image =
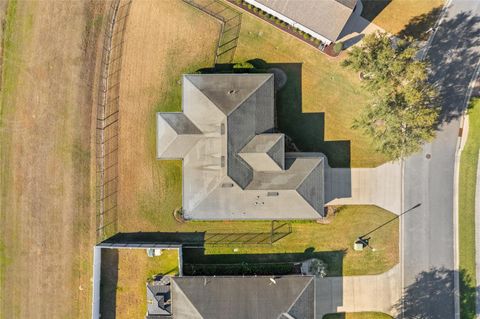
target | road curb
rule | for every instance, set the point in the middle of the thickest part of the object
(461, 140)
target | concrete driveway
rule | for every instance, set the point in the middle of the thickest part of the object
(380, 186)
(359, 293)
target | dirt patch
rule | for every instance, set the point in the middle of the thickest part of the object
(46, 211)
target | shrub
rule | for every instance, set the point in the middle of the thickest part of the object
(278, 22)
(337, 47)
(243, 65)
(243, 269)
(318, 268)
(306, 36)
(255, 10)
(250, 6)
(239, 1)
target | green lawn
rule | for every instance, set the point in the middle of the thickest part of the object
(466, 209)
(358, 315)
(316, 84)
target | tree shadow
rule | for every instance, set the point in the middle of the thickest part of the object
(453, 58)
(418, 26)
(108, 283)
(432, 295)
(306, 131)
(372, 8)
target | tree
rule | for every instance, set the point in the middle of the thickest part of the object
(318, 268)
(403, 113)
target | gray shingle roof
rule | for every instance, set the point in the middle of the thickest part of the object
(158, 296)
(242, 297)
(234, 165)
(325, 17)
(180, 123)
(228, 91)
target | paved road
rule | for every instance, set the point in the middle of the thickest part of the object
(428, 246)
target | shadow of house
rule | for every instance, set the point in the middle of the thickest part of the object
(306, 131)
(222, 264)
(108, 284)
(372, 8)
(455, 59)
(432, 295)
(138, 239)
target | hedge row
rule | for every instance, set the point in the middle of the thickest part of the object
(278, 22)
(243, 269)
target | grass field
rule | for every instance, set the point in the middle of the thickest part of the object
(150, 190)
(45, 208)
(134, 269)
(358, 315)
(466, 208)
(408, 17)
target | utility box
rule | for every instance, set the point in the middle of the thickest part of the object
(153, 252)
(358, 246)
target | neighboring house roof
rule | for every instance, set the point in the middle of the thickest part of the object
(325, 17)
(159, 299)
(234, 167)
(243, 297)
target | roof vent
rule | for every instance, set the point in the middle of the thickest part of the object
(227, 185)
(232, 92)
(272, 194)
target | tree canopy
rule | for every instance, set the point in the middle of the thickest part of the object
(403, 113)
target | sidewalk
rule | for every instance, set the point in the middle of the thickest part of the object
(359, 293)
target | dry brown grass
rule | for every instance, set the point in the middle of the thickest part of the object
(163, 40)
(134, 269)
(396, 14)
(45, 208)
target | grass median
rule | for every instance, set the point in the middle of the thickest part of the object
(466, 209)
(358, 315)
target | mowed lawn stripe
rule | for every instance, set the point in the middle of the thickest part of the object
(466, 209)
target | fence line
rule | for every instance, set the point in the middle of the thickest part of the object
(230, 20)
(253, 238)
(107, 120)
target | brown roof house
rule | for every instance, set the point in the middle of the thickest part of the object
(234, 166)
(322, 19)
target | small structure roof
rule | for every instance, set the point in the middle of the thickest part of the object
(158, 300)
(325, 17)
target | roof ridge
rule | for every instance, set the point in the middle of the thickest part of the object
(309, 172)
(185, 296)
(242, 101)
(300, 294)
(251, 93)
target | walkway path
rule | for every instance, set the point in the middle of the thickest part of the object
(359, 293)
